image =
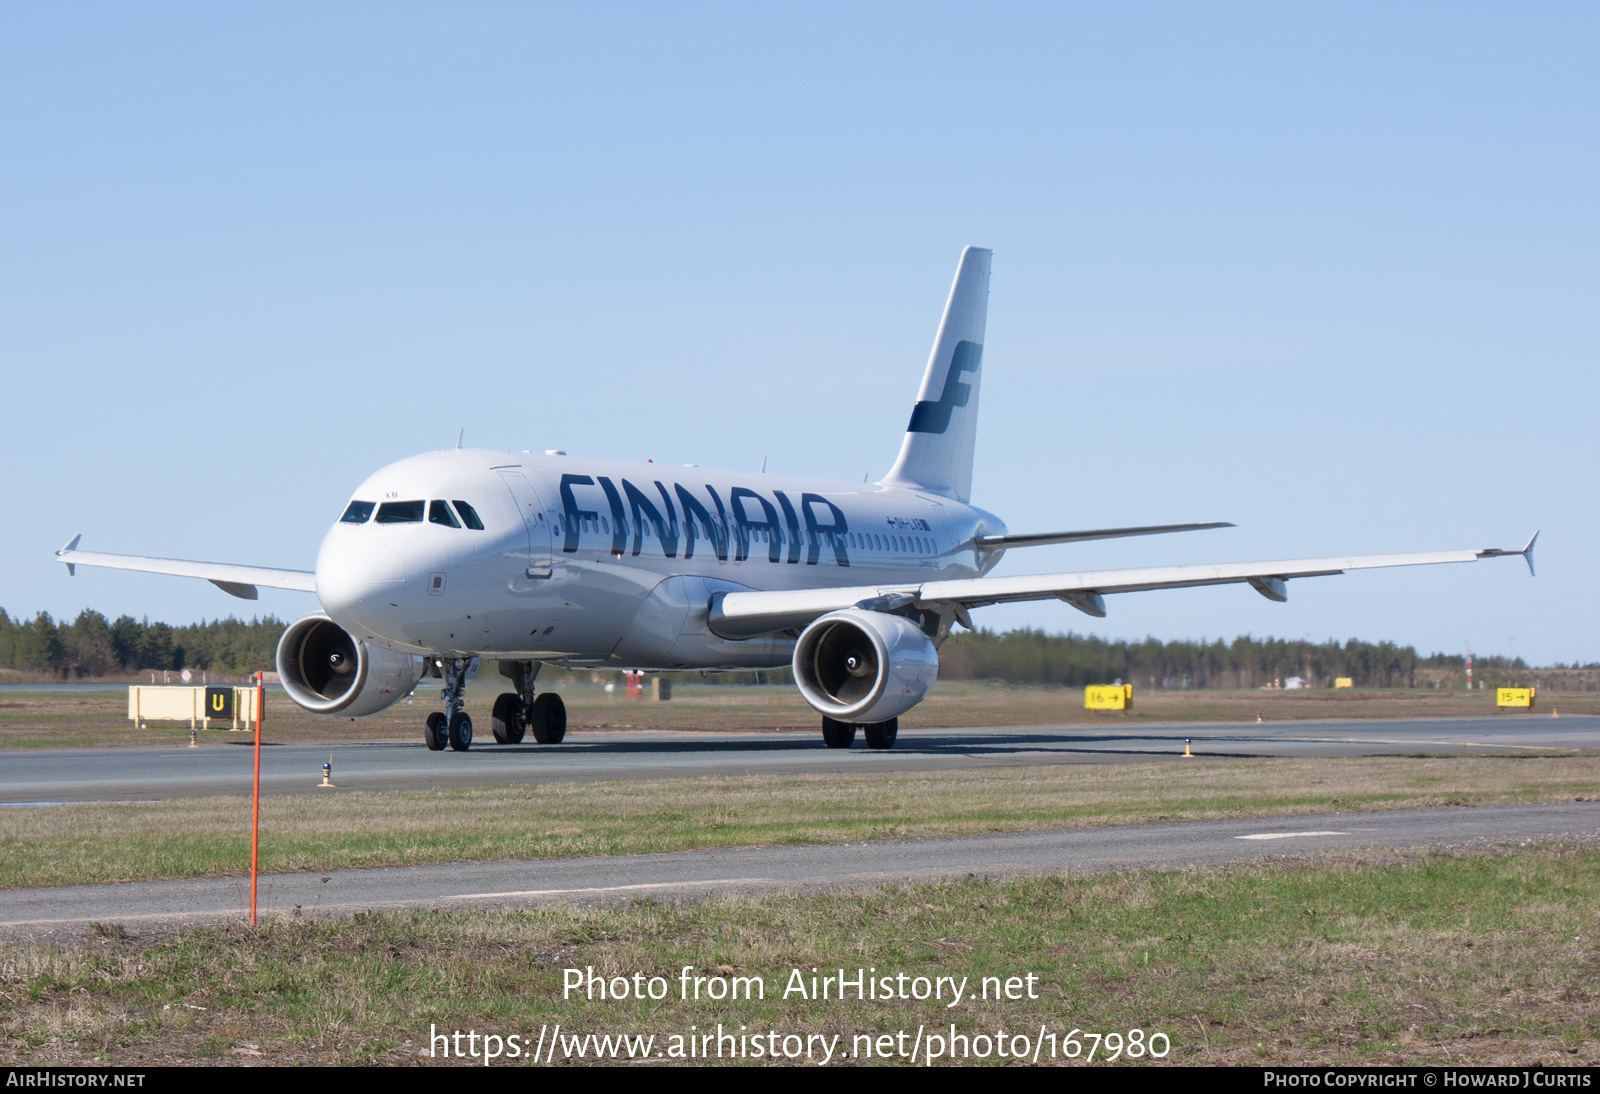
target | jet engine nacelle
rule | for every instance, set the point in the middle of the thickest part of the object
(327, 671)
(860, 666)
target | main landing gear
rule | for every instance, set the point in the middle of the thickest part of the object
(836, 734)
(515, 713)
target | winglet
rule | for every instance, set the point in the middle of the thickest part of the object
(72, 545)
(1526, 553)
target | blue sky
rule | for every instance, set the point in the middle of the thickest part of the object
(1325, 271)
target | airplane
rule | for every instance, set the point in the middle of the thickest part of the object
(444, 560)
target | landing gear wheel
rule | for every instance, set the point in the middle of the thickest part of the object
(459, 730)
(433, 731)
(548, 719)
(507, 720)
(881, 734)
(837, 734)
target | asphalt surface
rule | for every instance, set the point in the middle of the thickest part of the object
(742, 870)
(226, 768)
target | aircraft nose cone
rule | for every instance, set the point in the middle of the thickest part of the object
(356, 580)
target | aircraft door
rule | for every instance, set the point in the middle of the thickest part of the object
(540, 532)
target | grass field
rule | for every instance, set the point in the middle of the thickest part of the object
(1486, 959)
(1354, 959)
(82, 719)
(76, 844)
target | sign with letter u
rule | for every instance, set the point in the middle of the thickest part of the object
(219, 703)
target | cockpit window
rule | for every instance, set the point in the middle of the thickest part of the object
(439, 513)
(401, 512)
(469, 516)
(358, 513)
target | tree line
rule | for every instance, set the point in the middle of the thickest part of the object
(91, 645)
(1036, 657)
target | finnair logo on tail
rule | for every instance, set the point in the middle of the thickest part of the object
(934, 417)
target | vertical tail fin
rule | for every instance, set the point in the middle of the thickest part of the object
(936, 454)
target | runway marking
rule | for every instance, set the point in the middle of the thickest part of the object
(615, 888)
(1289, 835)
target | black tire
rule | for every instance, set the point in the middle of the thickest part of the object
(548, 718)
(459, 730)
(507, 721)
(837, 734)
(881, 734)
(433, 731)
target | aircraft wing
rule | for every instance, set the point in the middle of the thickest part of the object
(240, 581)
(746, 614)
(1040, 539)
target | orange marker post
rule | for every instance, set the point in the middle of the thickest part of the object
(255, 811)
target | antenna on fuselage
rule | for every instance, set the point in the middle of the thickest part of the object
(763, 465)
(460, 435)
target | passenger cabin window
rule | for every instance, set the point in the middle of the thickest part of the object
(439, 513)
(357, 513)
(469, 516)
(401, 512)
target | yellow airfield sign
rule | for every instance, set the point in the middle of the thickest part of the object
(1108, 697)
(1343, 682)
(1515, 697)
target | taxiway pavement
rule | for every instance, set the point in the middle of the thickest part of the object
(758, 869)
(129, 774)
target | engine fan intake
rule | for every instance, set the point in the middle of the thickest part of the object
(863, 666)
(327, 671)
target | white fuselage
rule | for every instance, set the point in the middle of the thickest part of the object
(596, 562)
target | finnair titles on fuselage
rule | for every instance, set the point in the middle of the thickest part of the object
(446, 559)
(614, 566)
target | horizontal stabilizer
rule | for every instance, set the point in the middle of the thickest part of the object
(1040, 539)
(240, 581)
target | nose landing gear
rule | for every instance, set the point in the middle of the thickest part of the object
(433, 731)
(459, 730)
(454, 726)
